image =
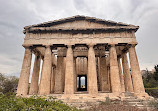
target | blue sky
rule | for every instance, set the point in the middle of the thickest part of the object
(15, 14)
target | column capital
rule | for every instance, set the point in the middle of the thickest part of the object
(69, 46)
(37, 53)
(112, 45)
(119, 57)
(91, 45)
(26, 46)
(132, 45)
(47, 46)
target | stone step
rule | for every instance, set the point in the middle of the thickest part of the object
(132, 100)
(138, 105)
(129, 94)
(126, 98)
(135, 103)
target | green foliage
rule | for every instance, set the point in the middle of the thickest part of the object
(151, 84)
(8, 84)
(152, 91)
(2, 79)
(151, 81)
(156, 73)
(11, 103)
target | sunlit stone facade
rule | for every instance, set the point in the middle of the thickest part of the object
(81, 54)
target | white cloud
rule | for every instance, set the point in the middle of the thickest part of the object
(14, 15)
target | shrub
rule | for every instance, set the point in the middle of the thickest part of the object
(12, 103)
(152, 91)
(8, 83)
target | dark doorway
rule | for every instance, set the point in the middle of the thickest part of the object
(82, 83)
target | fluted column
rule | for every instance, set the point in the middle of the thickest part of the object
(135, 71)
(69, 72)
(114, 71)
(35, 75)
(63, 78)
(109, 82)
(25, 73)
(46, 73)
(99, 74)
(92, 73)
(75, 75)
(53, 79)
(127, 75)
(54, 65)
(103, 74)
(59, 75)
(121, 76)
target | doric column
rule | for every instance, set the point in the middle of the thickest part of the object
(92, 73)
(135, 71)
(35, 75)
(126, 72)
(103, 74)
(53, 79)
(25, 73)
(69, 72)
(99, 74)
(59, 75)
(121, 76)
(75, 77)
(54, 65)
(114, 71)
(63, 81)
(109, 78)
(46, 73)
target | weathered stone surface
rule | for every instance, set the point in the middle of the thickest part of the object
(44, 88)
(25, 73)
(127, 75)
(81, 47)
(92, 73)
(35, 76)
(69, 72)
(53, 79)
(75, 75)
(135, 71)
(114, 71)
(103, 74)
(59, 74)
(121, 76)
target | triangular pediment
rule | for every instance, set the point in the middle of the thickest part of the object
(80, 22)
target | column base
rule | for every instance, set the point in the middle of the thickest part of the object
(58, 93)
(142, 95)
(21, 95)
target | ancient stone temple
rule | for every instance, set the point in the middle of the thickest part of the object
(81, 55)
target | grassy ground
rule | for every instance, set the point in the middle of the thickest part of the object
(108, 105)
(12, 103)
(9, 102)
(114, 107)
(152, 91)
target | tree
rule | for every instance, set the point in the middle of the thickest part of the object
(156, 73)
(8, 83)
(149, 75)
(149, 80)
(2, 79)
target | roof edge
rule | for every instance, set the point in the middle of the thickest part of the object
(77, 17)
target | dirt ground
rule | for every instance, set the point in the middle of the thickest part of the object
(117, 107)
